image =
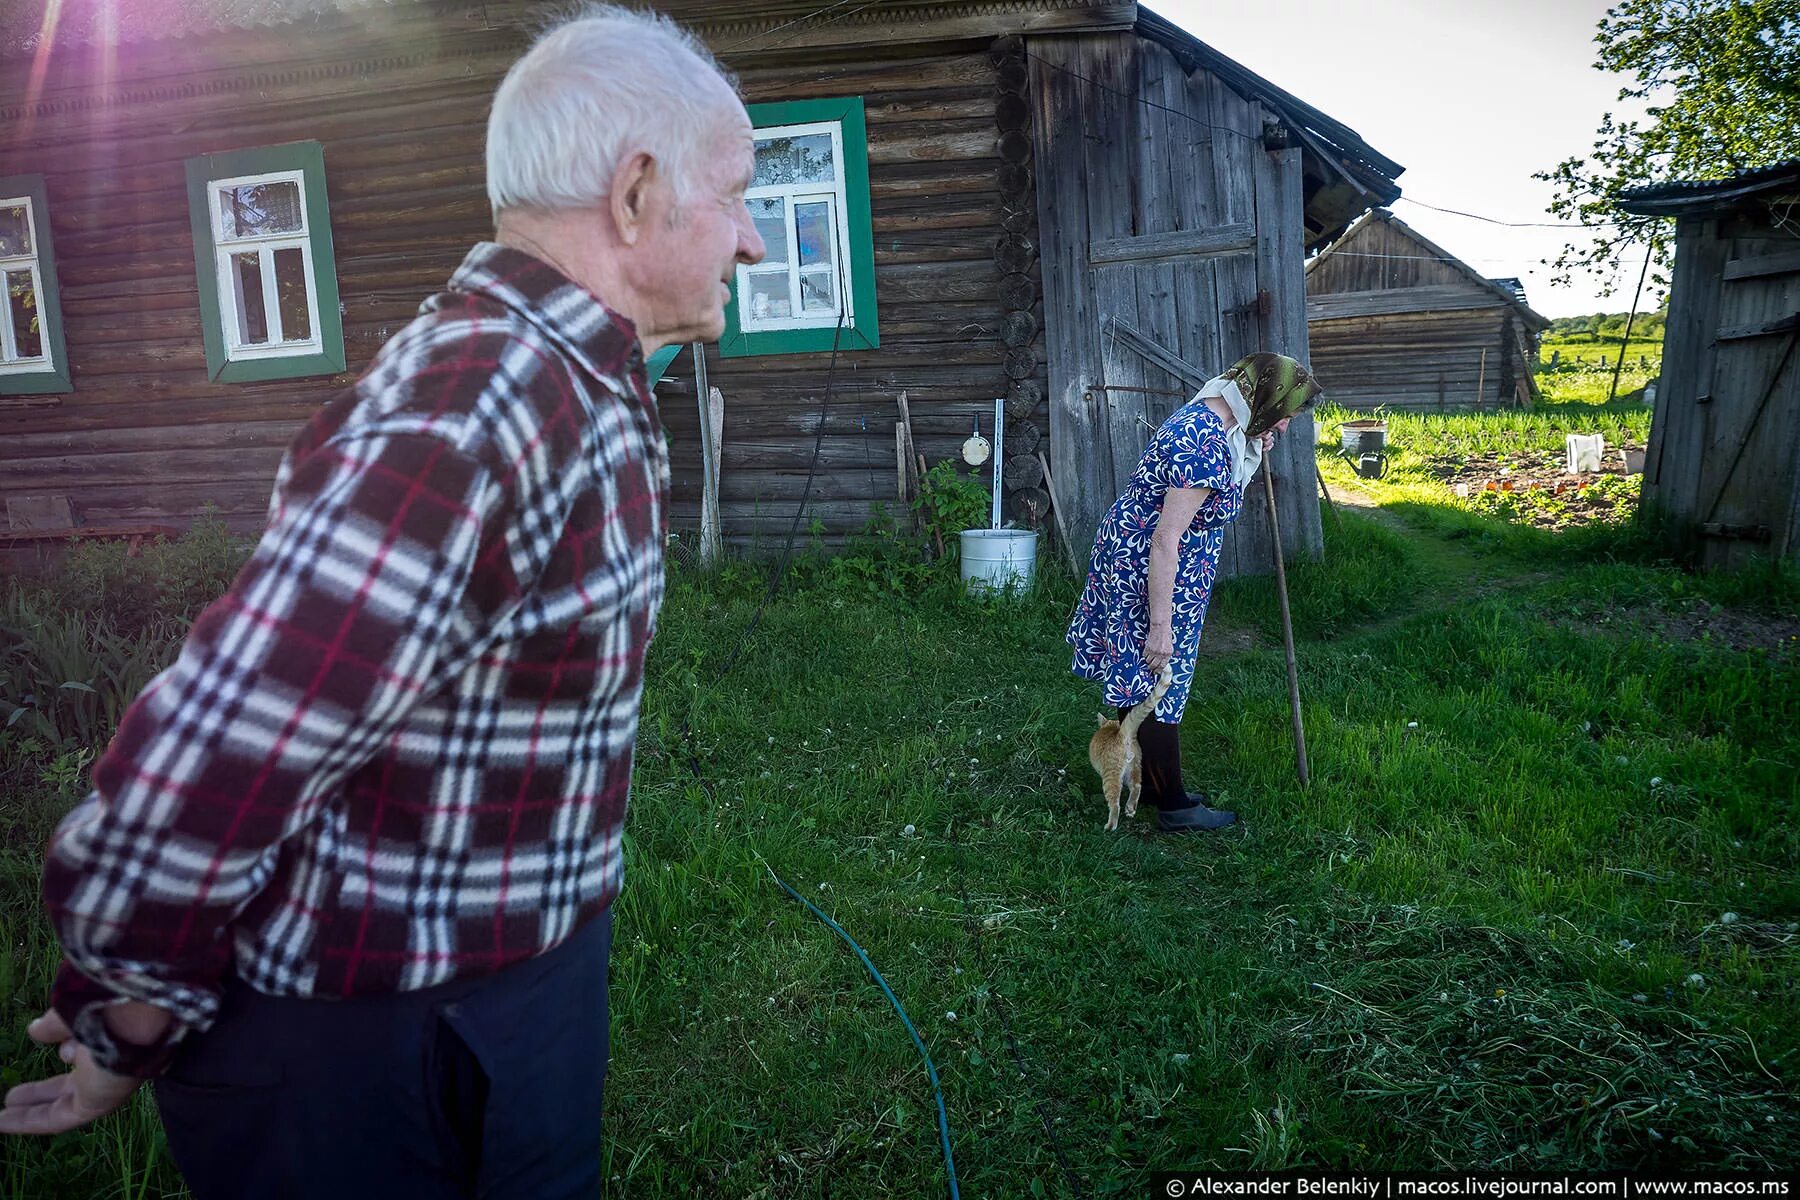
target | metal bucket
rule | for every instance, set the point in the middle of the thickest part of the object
(993, 559)
(1363, 437)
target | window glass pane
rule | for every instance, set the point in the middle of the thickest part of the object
(769, 296)
(785, 160)
(247, 298)
(15, 230)
(770, 216)
(27, 336)
(290, 295)
(259, 208)
(814, 223)
(818, 293)
(818, 258)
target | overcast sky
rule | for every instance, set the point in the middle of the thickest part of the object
(1470, 96)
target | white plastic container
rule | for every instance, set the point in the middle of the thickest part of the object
(993, 559)
(1585, 452)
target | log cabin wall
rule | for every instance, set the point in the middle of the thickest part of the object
(1418, 360)
(1395, 321)
(398, 104)
(398, 97)
(935, 183)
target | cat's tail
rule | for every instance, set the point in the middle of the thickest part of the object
(1140, 712)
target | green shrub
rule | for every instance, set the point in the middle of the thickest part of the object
(950, 502)
(164, 580)
(67, 676)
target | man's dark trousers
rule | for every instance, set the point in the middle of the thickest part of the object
(486, 1088)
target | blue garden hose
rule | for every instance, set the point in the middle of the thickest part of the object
(930, 1070)
(693, 758)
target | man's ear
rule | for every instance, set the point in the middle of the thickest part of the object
(633, 182)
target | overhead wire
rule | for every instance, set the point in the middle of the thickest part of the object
(1187, 116)
(799, 20)
(811, 16)
(1457, 212)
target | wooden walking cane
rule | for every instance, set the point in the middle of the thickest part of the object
(1287, 629)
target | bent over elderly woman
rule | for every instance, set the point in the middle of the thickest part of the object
(1156, 557)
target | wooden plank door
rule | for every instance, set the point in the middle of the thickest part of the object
(1159, 204)
(1752, 427)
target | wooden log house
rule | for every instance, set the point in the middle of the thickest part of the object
(1397, 321)
(1723, 464)
(219, 211)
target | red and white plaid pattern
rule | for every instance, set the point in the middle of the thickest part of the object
(397, 751)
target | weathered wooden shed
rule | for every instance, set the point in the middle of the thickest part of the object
(1178, 194)
(1723, 464)
(1395, 320)
(230, 206)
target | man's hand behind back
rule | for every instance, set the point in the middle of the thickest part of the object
(86, 1093)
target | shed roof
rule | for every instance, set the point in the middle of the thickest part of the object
(1509, 290)
(1678, 197)
(1343, 147)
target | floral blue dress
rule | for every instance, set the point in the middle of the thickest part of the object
(1113, 615)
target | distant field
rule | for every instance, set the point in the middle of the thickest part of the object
(1603, 351)
(1583, 373)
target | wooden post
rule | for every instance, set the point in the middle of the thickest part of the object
(1481, 380)
(709, 462)
(912, 462)
(1330, 504)
(710, 523)
(900, 471)
(1625, 343)
(1062, 524)
(1287, 634)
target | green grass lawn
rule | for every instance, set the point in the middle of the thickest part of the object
(1537, 909)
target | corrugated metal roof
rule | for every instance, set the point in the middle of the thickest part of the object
(1679, 196)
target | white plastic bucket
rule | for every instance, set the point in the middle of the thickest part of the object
(1585, 451)
(996, 558)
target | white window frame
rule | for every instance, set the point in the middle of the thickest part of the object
(796, 194)
(10, 361)
(236, 349)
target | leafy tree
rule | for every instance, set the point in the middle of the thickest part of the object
(1723, 77)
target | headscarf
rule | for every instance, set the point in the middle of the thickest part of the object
(1259, 389)
(1275, 387)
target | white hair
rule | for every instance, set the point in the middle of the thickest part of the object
(593, 89)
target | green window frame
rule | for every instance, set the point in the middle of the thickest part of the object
(28, 283)
(852, 236)
(265, 264)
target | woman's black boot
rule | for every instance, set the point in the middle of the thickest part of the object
(1177, 809)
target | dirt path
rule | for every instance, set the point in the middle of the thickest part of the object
(1462, 575)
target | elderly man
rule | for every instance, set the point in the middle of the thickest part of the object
(343, 886)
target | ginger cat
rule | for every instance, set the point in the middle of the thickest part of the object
(1115, 754)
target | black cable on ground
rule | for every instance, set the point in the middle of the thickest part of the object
(687, 737)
